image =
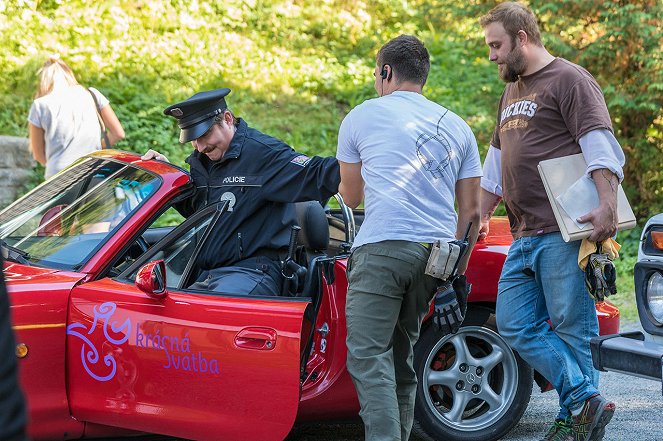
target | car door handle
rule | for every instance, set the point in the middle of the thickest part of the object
(256, 338)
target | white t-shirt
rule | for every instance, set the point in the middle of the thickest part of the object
(70, 123)
(412, 152)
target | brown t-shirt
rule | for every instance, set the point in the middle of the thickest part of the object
(542, 116)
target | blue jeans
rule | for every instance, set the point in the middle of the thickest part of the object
(541, 281)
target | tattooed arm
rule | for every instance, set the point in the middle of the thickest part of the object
(605, 159)
(603, 217)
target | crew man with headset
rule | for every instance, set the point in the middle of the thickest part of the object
(260, 177)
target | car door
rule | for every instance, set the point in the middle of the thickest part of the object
(183, 363)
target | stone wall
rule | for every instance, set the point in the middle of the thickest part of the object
(16, 165)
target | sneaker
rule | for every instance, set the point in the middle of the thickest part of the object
(560, 431)
(589, 424)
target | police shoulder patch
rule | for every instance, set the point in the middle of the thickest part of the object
(301, 160)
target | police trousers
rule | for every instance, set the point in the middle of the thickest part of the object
(255, 276)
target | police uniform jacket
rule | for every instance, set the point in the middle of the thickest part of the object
(261, 177)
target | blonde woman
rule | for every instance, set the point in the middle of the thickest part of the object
(64, 119)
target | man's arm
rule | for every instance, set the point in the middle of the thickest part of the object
(491, 188)
(467, 197)
(186, 207)
(605, 159)
(352, 184)
(601, 149)
(604, 217)
(489, 203)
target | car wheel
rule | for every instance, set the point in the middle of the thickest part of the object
(471, 385)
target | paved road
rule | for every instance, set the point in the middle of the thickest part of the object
(639, 415)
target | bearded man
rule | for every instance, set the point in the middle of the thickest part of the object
(550, 108)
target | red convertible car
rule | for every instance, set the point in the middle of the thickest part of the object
(112, 342)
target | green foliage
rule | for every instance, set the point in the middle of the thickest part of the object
(621, 43)
(296, 67)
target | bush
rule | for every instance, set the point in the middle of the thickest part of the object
(297, 67)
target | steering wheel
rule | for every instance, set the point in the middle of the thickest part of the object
(140, 243)
(135, 250)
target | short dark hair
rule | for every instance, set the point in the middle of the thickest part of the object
(407, 57)
(219, 118)
(514, 17)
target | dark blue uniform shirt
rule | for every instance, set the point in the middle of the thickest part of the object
(261, 177)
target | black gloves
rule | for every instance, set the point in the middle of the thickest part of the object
(600, 276)
(451, 304)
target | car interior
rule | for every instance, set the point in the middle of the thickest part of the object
(323, 235)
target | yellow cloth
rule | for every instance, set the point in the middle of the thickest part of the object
(587, 247)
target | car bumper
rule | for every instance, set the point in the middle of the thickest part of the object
(628, 353)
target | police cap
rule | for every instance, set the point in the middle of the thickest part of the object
(195, 115)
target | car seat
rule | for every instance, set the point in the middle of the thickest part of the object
(313, 241)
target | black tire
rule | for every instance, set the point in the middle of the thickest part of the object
(502, 383)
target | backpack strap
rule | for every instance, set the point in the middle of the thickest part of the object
(102, 126)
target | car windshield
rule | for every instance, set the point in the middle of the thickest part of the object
(65, 220)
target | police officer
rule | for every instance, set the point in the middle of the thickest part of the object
(260, 177)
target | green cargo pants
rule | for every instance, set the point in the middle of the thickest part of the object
(388, 297)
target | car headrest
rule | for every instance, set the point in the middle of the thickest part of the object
(312, 218)
(51, 222)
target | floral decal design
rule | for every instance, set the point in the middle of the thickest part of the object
(89, 353)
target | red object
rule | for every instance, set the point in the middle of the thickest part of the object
(112, 357)
(51, 222)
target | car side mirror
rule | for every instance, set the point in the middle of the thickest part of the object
(151, 279)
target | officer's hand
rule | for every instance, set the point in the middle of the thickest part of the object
(152, 154)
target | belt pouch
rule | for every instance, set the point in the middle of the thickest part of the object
(443, 260)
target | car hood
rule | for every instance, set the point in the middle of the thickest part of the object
(499, 233)
(26, 278)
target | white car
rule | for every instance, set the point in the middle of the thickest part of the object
(634, 353)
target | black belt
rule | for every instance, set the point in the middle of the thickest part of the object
(271, 253)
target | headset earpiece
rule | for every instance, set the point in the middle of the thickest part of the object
(383, 74)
